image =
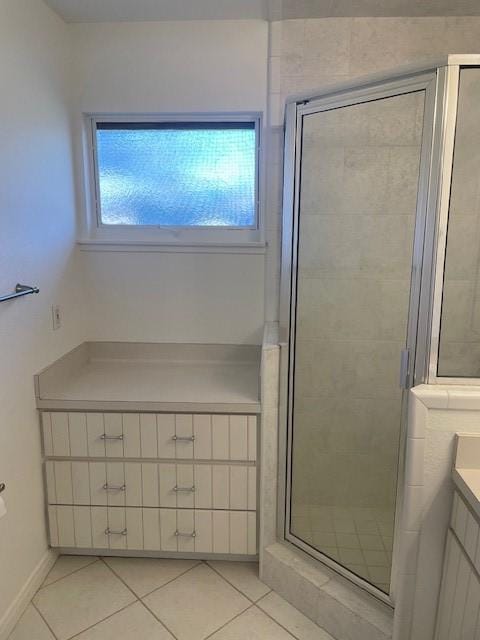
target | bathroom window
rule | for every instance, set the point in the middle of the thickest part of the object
(185, 177)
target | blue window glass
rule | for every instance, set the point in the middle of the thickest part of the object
(177, 174)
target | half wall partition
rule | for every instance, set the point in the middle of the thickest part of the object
(366, 200)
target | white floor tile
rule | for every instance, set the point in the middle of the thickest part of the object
(133, 622)
(65, 565)
(243, 576)
(369, 527)
(344, 525)
(286, 615)
(371, 542)
(322, 523)
(376, 558)
(31, 626)
(379, 575)
(347, 541)
(325, 539)
(331, 552)
(82, 599)
(350, 556)
(356, 537)
(359, 569)
(144, 575)
(196, 604)
(252, 625)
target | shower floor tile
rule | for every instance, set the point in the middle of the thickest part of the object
(190, 601)
(360, 538)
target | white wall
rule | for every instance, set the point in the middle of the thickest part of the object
(172, 67)
(37, 239)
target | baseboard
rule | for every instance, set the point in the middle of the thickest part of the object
(18, 606)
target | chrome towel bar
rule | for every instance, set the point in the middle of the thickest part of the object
(20, 290)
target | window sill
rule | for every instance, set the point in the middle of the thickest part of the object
(149, 246)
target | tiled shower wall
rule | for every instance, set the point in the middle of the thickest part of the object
(308, 54)
(459, 353)
(358, 195)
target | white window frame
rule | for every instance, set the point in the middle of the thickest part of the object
(95, 235)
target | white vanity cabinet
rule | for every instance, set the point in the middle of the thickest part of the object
(458, 611)
(151, 483)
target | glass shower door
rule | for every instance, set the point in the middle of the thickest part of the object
(358, 177)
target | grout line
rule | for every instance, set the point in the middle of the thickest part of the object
(105, 564)
(207, 562)
(172, 580)
(92, 626)
(100, 559)
(68, 574)
(281, 625)
(158, 619)
(139, 599)
(158, 589)
(229, 621)
(42, 617)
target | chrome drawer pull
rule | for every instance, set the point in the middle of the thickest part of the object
(111, 532)
(114, 487)
(179, 534)
(192, 488)
(183, 438)
(104, 436)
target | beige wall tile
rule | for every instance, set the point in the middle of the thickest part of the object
(327, 46)
(383, 43)
(356, 245)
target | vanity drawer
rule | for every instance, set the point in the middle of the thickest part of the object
(144, 529)
(152, 484)
(149, 435)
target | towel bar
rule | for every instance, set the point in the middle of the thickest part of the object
(20, 290)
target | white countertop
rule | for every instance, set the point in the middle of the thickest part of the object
(154, 377)
(468, 483)
(466, 471)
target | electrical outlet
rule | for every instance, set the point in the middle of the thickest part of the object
(56, 317)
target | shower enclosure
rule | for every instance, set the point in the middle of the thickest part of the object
(368, 179)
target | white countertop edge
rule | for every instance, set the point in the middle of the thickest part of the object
(466, 470)
(148, 407)
(462, 479)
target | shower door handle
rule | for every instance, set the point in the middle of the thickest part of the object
(404, 373)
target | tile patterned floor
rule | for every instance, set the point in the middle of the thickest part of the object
(90, 598)
(360, 538)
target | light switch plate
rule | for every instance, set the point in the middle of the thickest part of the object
(56, 317)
